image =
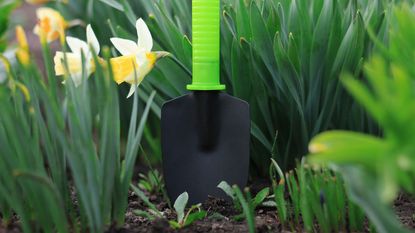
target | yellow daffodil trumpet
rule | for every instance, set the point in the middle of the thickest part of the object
(71, 63)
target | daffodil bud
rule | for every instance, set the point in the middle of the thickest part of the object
(22, 53)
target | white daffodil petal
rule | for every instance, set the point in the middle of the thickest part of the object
(77, 46)
(77, 79)
(92, 39)
(145, 40)
(132, 90)
(125, 47)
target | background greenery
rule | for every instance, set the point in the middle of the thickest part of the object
(375, 169)
(283, 57)
(61, 165)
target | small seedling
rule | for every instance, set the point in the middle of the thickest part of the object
(230, 191)
(185, 219)
(152, 212)
(244, 203)
(152, 182)
(247, 206)
(279, 191)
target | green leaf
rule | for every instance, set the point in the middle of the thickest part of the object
(260, 197)
(180, 205)
(146, 201)
(343, 147)
(195, 217)
(114, 4)
(144, 214)
(247, 209)
(227, 189)
(175, 225)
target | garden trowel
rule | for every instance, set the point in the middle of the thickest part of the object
(206, 133)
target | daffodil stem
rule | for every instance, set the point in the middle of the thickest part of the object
(173, 58)
(49, 68)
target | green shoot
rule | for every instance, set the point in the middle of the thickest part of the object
(247, 207)
(230, 191)
(152, 182)
(186, 218)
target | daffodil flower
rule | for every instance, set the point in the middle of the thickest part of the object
(137, 59)
(73, 60)
(50, 26)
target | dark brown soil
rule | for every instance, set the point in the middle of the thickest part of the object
(220, 218)
(405, 210)
(221, 213)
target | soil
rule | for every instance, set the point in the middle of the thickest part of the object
(221, 213)
(220, 217)
(405, 210)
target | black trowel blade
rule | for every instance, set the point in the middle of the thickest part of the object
(205, 140)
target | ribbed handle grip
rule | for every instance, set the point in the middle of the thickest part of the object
(206, 35)
(206, 45)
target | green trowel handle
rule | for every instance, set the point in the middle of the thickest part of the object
(206, 45)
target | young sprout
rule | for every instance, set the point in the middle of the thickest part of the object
(186, 218)
(152, 212)
(152, 182)
(230, 191)
(247, 207)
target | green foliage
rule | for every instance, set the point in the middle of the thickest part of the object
(376, 169)
(315, 199)
(152, 182)
(6, 8)
(246, 204)
(58, 144)
(152, 212)
(283, 57)
(255, 202)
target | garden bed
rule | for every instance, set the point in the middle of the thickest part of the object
(220, 218)
(308, 67)
(266, 218)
